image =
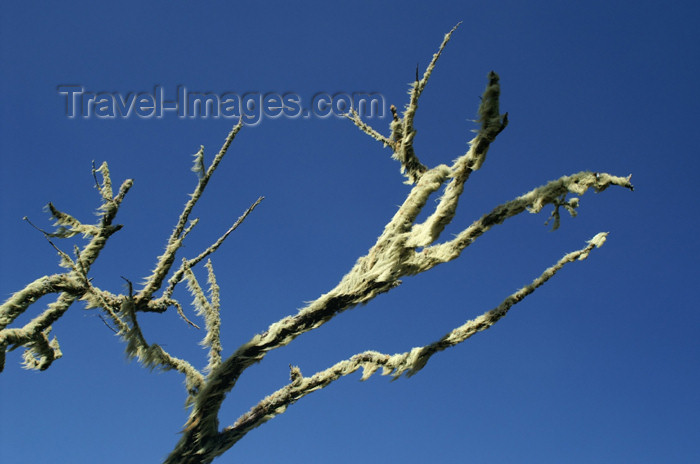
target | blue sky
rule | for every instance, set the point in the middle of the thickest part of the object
(600, 365)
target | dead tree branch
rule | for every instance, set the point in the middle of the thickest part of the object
(405, 247)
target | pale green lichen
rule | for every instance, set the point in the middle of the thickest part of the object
(106, 187)
(404, 248)
(209, 310)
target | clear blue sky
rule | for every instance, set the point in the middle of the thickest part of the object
(599, 366)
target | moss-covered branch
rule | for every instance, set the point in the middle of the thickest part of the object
(165, 261)
(70, 286)
(405, 247)
(407, 363)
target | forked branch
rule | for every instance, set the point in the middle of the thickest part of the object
(405, 247)
(407, 363)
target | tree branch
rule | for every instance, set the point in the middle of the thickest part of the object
(533, 201)
(492, 124)
(177, 276)
(40, 353)
(353, 116)
(403, 248)
(210, 311)
(402, 130)
(394, 254)
(165, 261)
(408, 363)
